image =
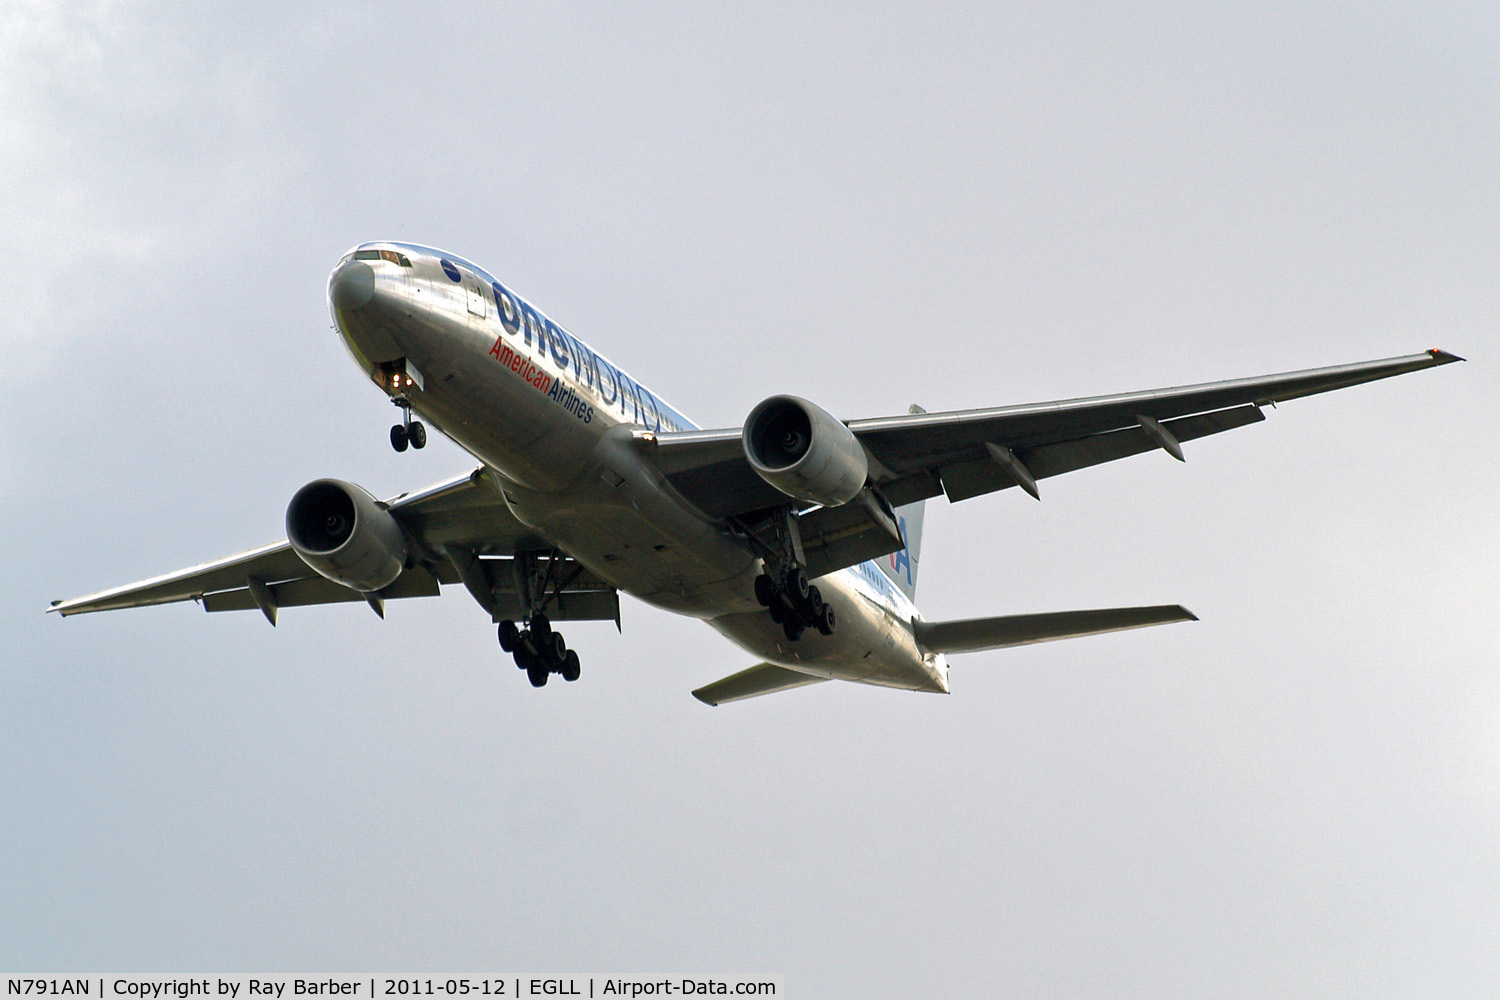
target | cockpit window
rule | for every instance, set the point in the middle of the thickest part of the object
(390, 255)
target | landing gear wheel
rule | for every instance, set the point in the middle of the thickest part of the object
(796, 584)
(537, 676)
(793, 631)
(778, 612)
(524, 658)
(510, 636)
(825, 620)
(765, 591)
(417, 434)
(398, 437)
(540, 628)
(554, 650)
(570, 667)
(812, 607)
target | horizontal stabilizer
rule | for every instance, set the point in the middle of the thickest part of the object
(973, 634)
(763, 678)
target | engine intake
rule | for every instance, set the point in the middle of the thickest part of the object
(345, 536)
(804, 451)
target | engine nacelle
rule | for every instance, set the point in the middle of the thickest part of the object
(344, 535)
(803, 451)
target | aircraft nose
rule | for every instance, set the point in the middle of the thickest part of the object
(352, 285)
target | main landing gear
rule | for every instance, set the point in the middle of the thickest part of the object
(539, 651)
(408, 431)
(794, 604)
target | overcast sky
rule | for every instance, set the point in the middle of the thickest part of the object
(868, 205)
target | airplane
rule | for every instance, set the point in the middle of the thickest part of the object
(796, 535)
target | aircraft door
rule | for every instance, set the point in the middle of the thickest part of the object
(474, 292)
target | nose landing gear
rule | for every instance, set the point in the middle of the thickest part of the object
(539, 651)
(408, 431)
(397, 378)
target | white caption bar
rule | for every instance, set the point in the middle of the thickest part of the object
(387, 987)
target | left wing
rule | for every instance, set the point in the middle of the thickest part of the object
(967, 453)
(462, 532)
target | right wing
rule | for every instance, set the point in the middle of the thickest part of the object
(462, 532)
(967, 453)
(974, 452)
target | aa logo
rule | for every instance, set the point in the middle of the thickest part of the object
(901, 561)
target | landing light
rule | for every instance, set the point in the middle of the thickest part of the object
(396, 377)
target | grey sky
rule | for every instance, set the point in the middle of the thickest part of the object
(958, 206)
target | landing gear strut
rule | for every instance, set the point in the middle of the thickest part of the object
(408, 431)
(794, 604)
(539, 651)
(783, 588)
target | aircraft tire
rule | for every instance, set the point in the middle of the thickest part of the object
(417, 433)
(510, 636)
(765, 591)
(524, 658)
(571, 668)
(796, 585)
(541, 627)
(398, 437)
(826, 620)
(778, 612)
(811, 608)
(537, 676)
(793, 631)
(554, 649)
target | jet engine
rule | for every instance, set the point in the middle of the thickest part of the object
(345, 535)
(804, 451)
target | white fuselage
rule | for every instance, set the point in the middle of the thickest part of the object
(560, 431)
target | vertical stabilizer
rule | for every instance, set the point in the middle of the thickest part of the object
(901, 566)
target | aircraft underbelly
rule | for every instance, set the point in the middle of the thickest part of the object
(603, 507)
(869, 646)
(713, 579)
(638, 539)
(619, 520)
